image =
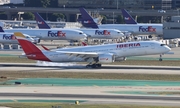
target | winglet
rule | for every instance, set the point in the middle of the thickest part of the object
(87, 20)
(1, 29)
(84, 44)
(19, 35)
(40, 22)
(127, 17)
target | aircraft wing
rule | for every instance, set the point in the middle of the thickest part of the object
(81, 54)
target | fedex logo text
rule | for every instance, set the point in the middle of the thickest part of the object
(11, 37)
(56, 34)
(128, 45)
(104, 32)
(40, 22)
(148, 29)
(87, 22)
(126, 18)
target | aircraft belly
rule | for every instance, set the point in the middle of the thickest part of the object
(52, 38)
(101, 37)
(9, 41)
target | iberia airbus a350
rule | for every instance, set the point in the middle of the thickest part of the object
(94, 55)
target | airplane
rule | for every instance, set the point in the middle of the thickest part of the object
(130, 20)
(9, 38)
(127, 17)
(94, 55)
(92, 33)
(134, 29)
(52, 34)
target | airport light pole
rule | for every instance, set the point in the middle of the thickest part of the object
(113, 17)
(117, 4)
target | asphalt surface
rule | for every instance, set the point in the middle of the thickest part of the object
(69, 67)
(84, 93)
(172, 98)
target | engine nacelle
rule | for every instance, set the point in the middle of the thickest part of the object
(37, 40)
(106, 58)
(120, 59)
(127, 34)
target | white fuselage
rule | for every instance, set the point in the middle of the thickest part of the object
(136, 29)
(103, 33)
(9, 38)
(118, 49)
(52, 34)
(100, 33)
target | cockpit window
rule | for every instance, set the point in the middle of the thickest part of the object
(163, 44)
(118, 32)
(80, 33)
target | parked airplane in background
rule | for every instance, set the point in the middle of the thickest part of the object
(9, 38)
(97, 54)
(52, 34)
(92, 33)
(128, 19)
(134, 29)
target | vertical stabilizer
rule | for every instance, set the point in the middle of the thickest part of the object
(40, 22)
(1, 29)
(31, 51)
(87, 20)
(127, 17)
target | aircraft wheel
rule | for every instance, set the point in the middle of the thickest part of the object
(94, 66)
(88, 66)
(98, 65)
(160, 59)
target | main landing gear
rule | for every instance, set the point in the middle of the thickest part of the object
(93, 65)
(160, 58)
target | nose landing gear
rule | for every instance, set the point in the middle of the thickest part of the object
(160, 58)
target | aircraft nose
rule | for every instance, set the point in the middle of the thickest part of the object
(167, 48)
(122, 34)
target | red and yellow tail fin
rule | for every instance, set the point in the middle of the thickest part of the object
(31, 51)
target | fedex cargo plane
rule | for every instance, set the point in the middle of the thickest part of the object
(9, 38)
(95, 55)
(52, 34)
(92, 33)
(127, 17)
(135, 29)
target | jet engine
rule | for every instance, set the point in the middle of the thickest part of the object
(106, 58)
(120, 59)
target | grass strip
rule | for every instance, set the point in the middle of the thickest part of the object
(8, 75)
(50, 105)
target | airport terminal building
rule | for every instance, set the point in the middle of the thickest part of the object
(127, 4)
